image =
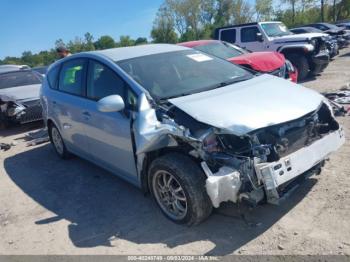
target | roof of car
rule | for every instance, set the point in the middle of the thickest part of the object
(197, 43)
(123, 53)
(10, 68)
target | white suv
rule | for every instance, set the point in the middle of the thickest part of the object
(306, 51)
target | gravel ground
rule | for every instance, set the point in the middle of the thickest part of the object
(51, 206)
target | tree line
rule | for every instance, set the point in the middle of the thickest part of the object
(186, 20)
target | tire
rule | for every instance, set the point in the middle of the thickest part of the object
(56, 139)
(301, 63)
(186, 189)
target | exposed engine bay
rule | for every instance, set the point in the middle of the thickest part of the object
(252, 167)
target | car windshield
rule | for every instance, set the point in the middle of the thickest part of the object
(180, 73)
(19, 78)
(275, 29)
(220, 49)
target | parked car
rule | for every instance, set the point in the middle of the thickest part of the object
(331, 41)
(194, 130)
(19, 96)
(345, 25)
(307, 52)
(41, 70)
(273, 63)
(8, 68)
(332, 30)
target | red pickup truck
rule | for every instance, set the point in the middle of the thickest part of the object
(265, 62)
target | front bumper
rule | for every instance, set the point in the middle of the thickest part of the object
(287, 168)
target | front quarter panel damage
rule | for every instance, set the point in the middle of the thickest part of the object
(235, 165)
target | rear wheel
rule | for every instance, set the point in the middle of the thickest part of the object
(57, 142)
(301, 63)
(178, 187)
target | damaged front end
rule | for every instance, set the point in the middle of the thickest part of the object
(251, 167)
(14, 111)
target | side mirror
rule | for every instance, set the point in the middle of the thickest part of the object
(112, 103)
(259, 37)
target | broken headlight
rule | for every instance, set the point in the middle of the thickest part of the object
(211, 143)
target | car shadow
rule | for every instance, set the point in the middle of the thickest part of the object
(16, 129)
(101, 207)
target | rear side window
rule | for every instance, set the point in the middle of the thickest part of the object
(103, 82)
(228, 35)
(71, 77)
(248, 34)
(52, 77)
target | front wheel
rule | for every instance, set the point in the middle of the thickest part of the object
(178, 186)
(301, 63)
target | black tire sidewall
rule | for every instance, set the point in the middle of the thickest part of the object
(301, 63)
(183, 185)
(65, 153)
(180, 166)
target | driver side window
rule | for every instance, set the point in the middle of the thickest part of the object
(249, 34)
(103, 82)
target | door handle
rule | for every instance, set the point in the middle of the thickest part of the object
(86, 115)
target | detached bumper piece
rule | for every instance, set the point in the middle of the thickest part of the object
(276, 174)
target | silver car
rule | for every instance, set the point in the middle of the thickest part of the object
(19, 95)
(192, 129)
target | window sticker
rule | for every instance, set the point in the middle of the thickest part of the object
(200, 57)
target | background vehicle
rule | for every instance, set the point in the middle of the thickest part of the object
(331, 41)
(307, 52)
(265, 62)
(345, 25)
(8, 68)
(19, 95)
(41, 70)
(333, 30)
(186, 126)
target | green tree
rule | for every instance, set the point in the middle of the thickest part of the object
(89, 43)
(105, 42)
(125, 40)
(141, 41)
(163, 27)
(263, 9)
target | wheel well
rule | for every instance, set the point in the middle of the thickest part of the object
(49, 123)
(292, 51)
(150, 156)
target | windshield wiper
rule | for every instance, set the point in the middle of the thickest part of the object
(221, 84)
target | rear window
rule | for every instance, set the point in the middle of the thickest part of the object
(228, 35)
(52, 77)
(23, 78)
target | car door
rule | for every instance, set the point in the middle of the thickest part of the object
(67, 103)
(108, 134)
(249, 39)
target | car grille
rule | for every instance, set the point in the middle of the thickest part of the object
(33, 112)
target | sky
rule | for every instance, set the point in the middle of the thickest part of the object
(35, 25)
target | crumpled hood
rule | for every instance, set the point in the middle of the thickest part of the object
(260, 61)
(22, 93)
(298, 37)
(246, 106)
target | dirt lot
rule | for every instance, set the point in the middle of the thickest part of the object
(51, 206)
